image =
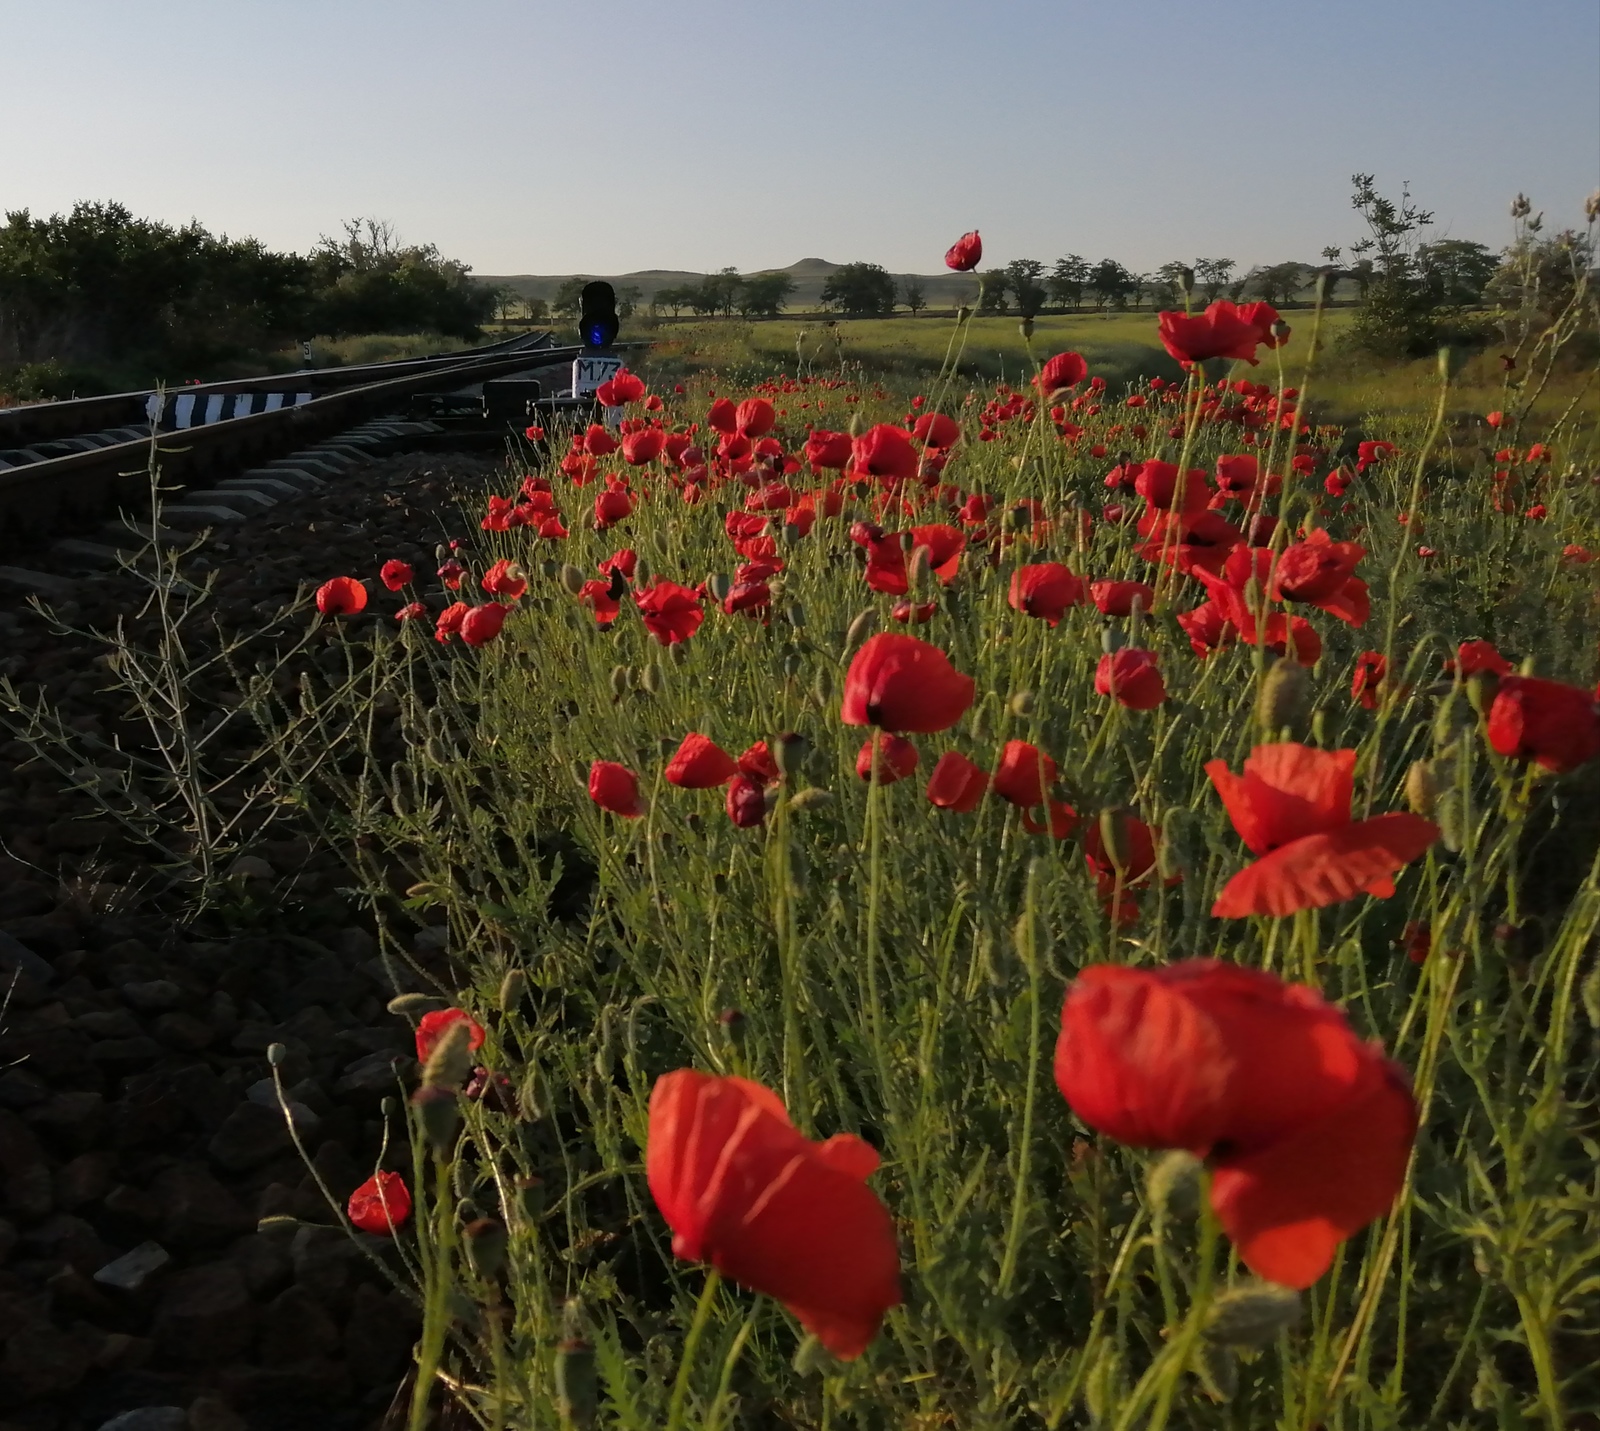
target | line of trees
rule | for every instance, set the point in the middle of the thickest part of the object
(99, 285)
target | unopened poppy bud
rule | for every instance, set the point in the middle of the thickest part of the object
(1111, 638)
(793, 663)
(858, 423)
(580, 775)
(1022, 704)
(982, 719)
(1422, 788)
(414, 1006)
(733, 1022)
(450, 1063)
(811, 798)
(572, 578)
(918, 569)
(1186, 279)
(439, 1115)
(1175, 849)
(789, 752)
(1251, 1315)
(641, 572)
(862, 627)
(1284, 700)
(530, 1198)
(1280, 330)
(277, 1055)
(1019, 518)
(1172, 1186)
(1115, 836)
(653, 678)
(963, 313)
(1482, 687)
(1026, 329)
(621, 679)
(513, 990)
(1218, 1369)
(795, 614)
(486, 1247)
(718, 585)
(577, 1388)
(822, 686)
(791, 533)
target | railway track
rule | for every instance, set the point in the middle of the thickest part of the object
(75, 474)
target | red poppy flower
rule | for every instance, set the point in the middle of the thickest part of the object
(343, 596)
(534, 433)
(887, 559)
(1116, 598)
(1136, 855)
(757, 763)
(505, 579)
(1045, 590)
(903, 684)
(411, 611)
(897, 758)
(965, 254)
(1219, 332)
(1308, 1128)
(1550, 722)
(743, 1190)
(746, 802)
(754, 417)
(1065, 370)
(1368, 453)
(884, 452)
(1263, 317)
(597, 596)
(598, 442)
(1207, 627)
(672, 613)
(829, 450)
(1132, 677)
(1158, 484)
(1024, 775)
(624, 561)
(620, 390)
(700, 764)
(1366, 685)
(1475, 656)
(482, 624)
(395, 574)
(1239, 477)
(913, 613)
(1060, 820)
(550, 529)
(956, 783)
(643, 446)
(449, 622)
(935, 429)
(611, 507)
(1292, 807)
(432, 1026)
(723, 416)
(380, 1205)
(751, 597)
(1320, 572)
(615, 788)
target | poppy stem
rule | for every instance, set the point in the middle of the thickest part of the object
(1027, 948)
(702, 1315)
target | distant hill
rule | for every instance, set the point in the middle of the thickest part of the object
(941, 289)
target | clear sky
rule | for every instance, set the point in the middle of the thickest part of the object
(609, 135)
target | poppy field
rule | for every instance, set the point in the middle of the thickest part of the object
(1061, 904)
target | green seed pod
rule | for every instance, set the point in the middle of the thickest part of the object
(621, 679)
(1252, 1315)
(1116, 833)
(277, 1055)
(653, 678)
(439, 1115)
(864, 625)
(811, 798)
(450, 1063)
(1172, 1186)
(1284, 700)
(414, 1006)
(572, 578)
(718, 585)
(486, 1241)
(1026, 328)
(513, 990)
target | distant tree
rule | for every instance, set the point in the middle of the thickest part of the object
(1166, 284)
(996, 286)
(725, 283)
(1111, 283)
(676, 297)
(1400, 310)
(912, 295)
(568, 301)
(506, 299)
(1236, 289)
(1068, 280)
(1278, 282)
(762, 295)
(1213, 275)
(1023, 277)
(859, 289)
(629, 297)
(535, 310)
(1458, 270)
(1363, 272)
(705, 297)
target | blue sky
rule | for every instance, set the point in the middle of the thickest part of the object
(613, 135)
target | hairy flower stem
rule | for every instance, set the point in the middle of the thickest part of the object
(1019, 1203)
(691, 1343)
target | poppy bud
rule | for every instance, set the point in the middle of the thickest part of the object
(580, 774)
(1186, 279)
(1175, 851)
(1482, 687)
(530, 1198)
(414, 1006)
(1451, 362)
(1111, 638)
(277, 1055)
(1217, 1367)
(718, 585)
(822, 687)
(1114, 837)
(793, 663)
(858, 423)
(1280, 331)
(733, 1022)
(1284, 700)
(811, 798)
(862, 627)
(572, 578)
(1019, 518)
(438, 1114)
(1022, 704)
(1251, 1315)
(791, 533)
(795, 614)
(513, 990)
(1173, 1185)
(1025, 328)
(486, 1247)
(577, 1389)
(652, 678)
(450, 1063)
(789, 752)
(918, 569)
(1591, 209)
(1422, 788)
(983, 720)
(963, 313)
(621, 679)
